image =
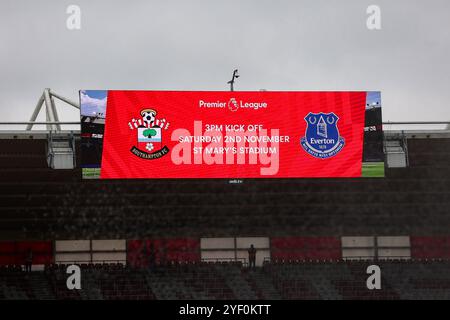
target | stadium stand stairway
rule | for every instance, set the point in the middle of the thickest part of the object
(235, 281)
(396, 156)
(40, 286)
(205, 279)
(60, 153)
(261, 284)
(92, 290)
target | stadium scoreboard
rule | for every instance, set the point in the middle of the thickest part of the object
(216, 134)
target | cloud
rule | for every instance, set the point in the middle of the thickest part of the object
(90, 105)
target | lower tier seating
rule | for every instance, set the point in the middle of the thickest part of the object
(275, 280)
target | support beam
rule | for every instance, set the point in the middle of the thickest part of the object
(55, 113)
(51, 112)
(68, 101)
(36, 111)
(48, 109)
(47, 117)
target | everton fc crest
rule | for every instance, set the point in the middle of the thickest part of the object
(322, 139)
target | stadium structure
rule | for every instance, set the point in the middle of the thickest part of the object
(188, 239)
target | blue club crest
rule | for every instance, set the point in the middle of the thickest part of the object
(322, 139)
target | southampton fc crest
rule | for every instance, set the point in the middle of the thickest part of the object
(322, 139)
(149, 135)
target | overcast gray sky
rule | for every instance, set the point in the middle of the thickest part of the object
(195, 45)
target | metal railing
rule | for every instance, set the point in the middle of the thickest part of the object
(39, 122)
(416, 123)
(354, 259)
(217, 260)
(90, 262)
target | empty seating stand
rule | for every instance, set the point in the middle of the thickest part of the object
(38, 202)
(295, 280)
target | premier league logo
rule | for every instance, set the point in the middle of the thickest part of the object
(322, 139)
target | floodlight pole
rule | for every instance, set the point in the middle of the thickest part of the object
(231, 82)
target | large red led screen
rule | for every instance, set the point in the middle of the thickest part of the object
(203, 134)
